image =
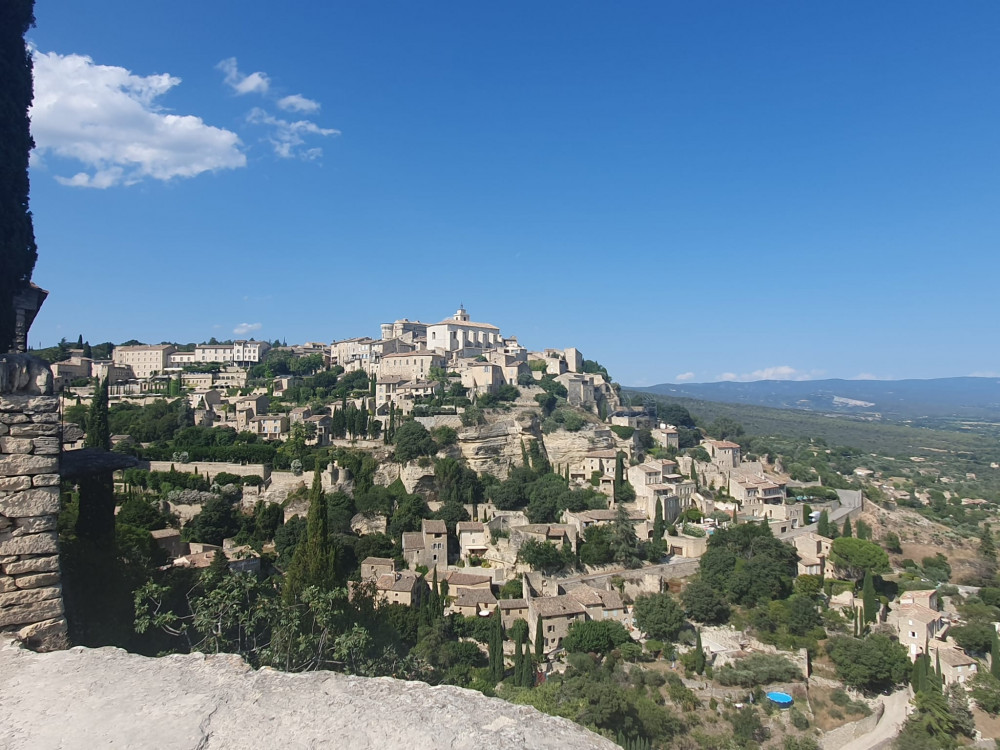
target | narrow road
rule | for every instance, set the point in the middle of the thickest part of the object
(888, 726)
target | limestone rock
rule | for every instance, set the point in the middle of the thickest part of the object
(369, 523)
(34, 581)
(23, 375)
(16, 465)
(11, 484)
(44, 564)
(15, 445)
(48, 635)
(28, 613)
(29, 596)
(45, 480)
(418, 479)
(35, 544)
(495, 448)
(210, 702)
(569, 448)
(36, 524)
(41, 501)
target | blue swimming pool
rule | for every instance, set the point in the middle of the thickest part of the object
(779, 698)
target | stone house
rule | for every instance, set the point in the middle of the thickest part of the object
(410, 365)
(480, 377)
(473, 602)
(667, 436)
(917, 621)
(724, 453)
(460, 334)
(473, 539)
(270, 427)
(399, 587)
(145, 361)
(511, 610)
(814, 550)
(354, 354)
(427, 547)
(599, 604)
(557, 614)
(956, 665)
(373, 567)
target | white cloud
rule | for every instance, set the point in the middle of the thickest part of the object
(984, 374)
(107, 118)
(255, 83)
(244, 328)
(780, 372)
(865, 376)
(298, 103)
(288, 137)
(684, 376)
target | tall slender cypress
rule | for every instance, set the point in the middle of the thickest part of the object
(314, 562)
(18, 251)
(539, 639)
(96, 518)
(870, 599)
(995, 657)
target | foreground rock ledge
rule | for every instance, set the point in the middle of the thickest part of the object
(90, 698)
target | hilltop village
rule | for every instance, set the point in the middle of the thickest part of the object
(447, 471)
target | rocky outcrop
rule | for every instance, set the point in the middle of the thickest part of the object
(569, 448)
(496, 447)
(86, 698)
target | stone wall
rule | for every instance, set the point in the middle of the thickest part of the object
(837, 738)
(31, 603)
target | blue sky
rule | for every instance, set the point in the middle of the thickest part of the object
(684, 191)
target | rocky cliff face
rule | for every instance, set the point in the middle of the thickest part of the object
(86, 698)
(568, 448)
(496, 447)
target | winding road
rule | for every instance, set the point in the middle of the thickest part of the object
(888, 726)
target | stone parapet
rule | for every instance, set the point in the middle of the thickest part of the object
(31, 604)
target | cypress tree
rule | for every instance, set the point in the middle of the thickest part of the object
(938, 674)
(96, 519)
(518, 662)
(524, 455)
(98, 431)
(847, 528)
(658, 526)
(823, 525)
(699, 663)
(995, 657)
(870, 598)
(539, 639)
(496, 647)
(987, 549)
(18, 251)
(314, 562)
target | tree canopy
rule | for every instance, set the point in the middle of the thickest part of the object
(855, 557)
(659, 616)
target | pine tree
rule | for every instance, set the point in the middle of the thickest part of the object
(870, 598)
(847, 528)
(539, 640)
(314, 562)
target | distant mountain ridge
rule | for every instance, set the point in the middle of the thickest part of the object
(951, 398)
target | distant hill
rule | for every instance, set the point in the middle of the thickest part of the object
(940, 399)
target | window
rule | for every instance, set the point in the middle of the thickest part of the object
(551, 629)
